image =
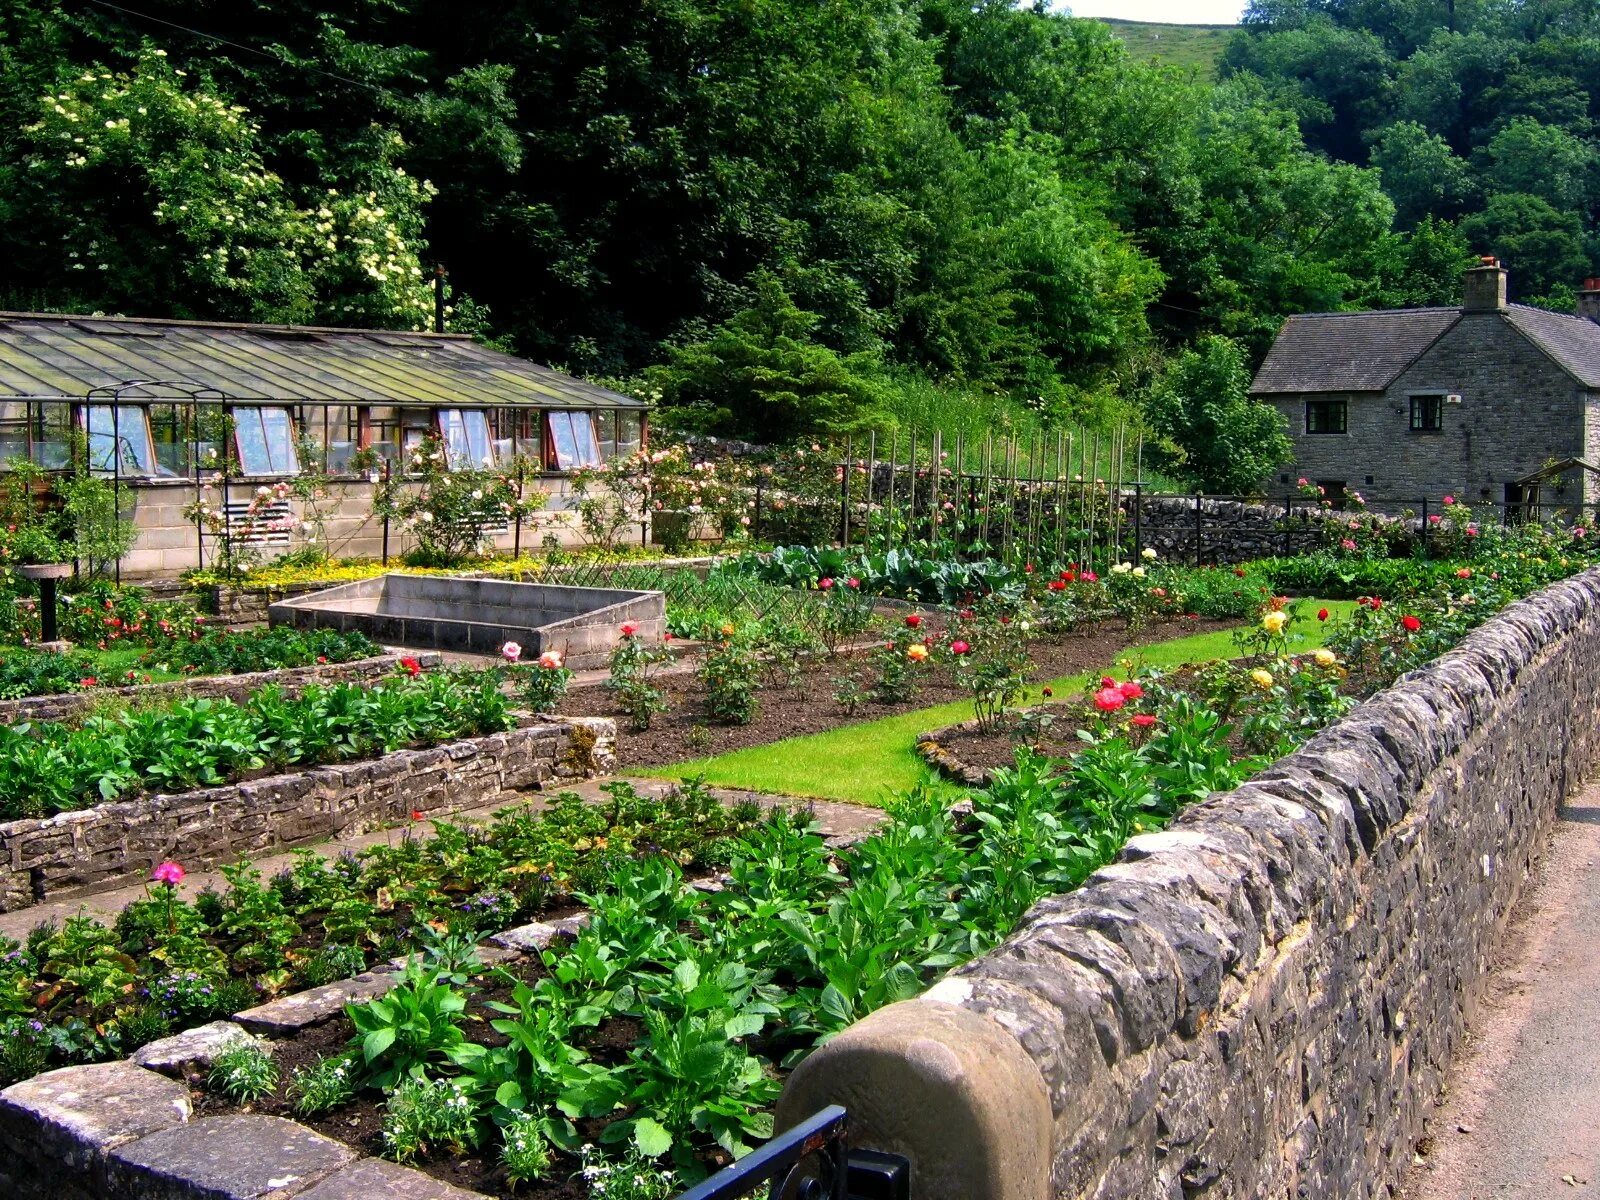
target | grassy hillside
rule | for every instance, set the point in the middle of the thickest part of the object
(1189, 46)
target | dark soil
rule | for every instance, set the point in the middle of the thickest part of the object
(807, 706)
(360, 1123)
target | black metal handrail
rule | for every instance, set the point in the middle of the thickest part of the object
(812, 1161)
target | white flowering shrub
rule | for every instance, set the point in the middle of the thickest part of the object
(158, 190)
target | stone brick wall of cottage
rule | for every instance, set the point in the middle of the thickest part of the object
(116, 844)
(1518, 411)
(1262, 1000)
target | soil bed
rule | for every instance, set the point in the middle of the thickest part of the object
(359, 1124)
(807, 706)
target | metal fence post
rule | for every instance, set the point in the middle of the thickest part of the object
(386, 514)
(1138, 519)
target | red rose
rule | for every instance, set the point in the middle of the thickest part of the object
(1144, 720)
(1109, 699)
(1411, 623)
(1322, 614)
(913, 621)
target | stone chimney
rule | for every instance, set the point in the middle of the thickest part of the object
(1483, 287)
(1589, 299)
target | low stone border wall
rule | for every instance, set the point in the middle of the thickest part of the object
(1264, 999)
(65, 705)
(116, 844)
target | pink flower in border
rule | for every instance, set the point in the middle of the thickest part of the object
(959, 647)
(168, 873)
(511, 652)
(1143, 720)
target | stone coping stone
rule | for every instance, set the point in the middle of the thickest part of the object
(240, 1157)
(288, 1015)
(193, 1049)
(537, 935)
(375, 1179)
(73, 1117)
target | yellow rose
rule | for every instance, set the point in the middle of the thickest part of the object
(916, 652)
(1325, 657)
(1261, 677)
(1273, 622)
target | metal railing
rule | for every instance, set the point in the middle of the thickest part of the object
(812, 1161)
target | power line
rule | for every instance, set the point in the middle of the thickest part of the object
(267, 54)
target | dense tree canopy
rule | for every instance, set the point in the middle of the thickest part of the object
(783, 210)
(1482, 111)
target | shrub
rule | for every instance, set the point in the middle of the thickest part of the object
(634, 664)
(730, 673)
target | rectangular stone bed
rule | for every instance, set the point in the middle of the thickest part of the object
(119, 843)
(481, 615)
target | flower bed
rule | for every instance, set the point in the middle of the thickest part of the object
(65, 706)
(89, 991)
(799, 693)
(52, 767)
(113, 844)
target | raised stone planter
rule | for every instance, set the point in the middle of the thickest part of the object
(66, 705)
(1262, 1000)
(482, 615)
(116, 844)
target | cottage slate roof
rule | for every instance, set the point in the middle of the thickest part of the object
(47, 356)
(1366, 351)
(1350, 351)
(1574, 342)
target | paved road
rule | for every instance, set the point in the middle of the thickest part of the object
(1522, 1118)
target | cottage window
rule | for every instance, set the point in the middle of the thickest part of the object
(1427, 414)
(264, 438)
(119, 440)
(1326, 416)
(570, 442)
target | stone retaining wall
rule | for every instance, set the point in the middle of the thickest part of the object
(292, 680)
(116, 844)
(1232, 531)
(1263, 1000)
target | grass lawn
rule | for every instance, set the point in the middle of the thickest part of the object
(112, 666)
(869, 762)
(1191, 47)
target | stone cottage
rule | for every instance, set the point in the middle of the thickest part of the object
(1410, 404)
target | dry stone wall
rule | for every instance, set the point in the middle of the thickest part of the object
(116, 844)
(1263, 1000)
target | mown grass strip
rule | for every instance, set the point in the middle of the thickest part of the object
(868, 762)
